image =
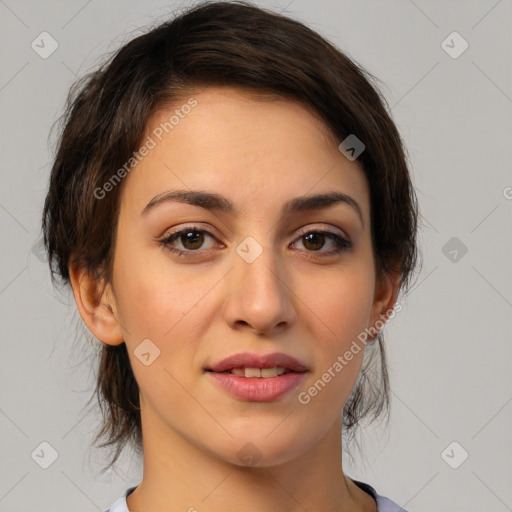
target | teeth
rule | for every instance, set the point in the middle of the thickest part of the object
(269, 372)
(256, 372)
(252, 372)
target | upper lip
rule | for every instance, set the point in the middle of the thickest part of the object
(248, 360)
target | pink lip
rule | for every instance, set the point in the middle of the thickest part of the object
(248, 360)
(257, 389)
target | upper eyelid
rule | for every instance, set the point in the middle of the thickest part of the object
(190, 228)
(331, 229)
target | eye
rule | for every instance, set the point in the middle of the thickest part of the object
(191, 238)
(314, 240)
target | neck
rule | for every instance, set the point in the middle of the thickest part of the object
(179, 475)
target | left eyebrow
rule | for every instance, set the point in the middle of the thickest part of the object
(214, 201)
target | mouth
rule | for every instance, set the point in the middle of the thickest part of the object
(258, 373)
(253, 365)
(257, 378)
(257, 384)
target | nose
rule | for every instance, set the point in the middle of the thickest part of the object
(259, 296)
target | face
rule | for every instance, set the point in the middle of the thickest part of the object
(196, 284)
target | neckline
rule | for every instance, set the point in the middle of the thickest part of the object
(367, 488)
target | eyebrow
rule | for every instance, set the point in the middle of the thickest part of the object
(217, 202)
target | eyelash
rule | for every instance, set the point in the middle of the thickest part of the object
(341, 244)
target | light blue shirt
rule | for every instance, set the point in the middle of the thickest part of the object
(383, 504)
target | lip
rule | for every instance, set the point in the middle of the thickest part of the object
(258, 389)
(252, 360)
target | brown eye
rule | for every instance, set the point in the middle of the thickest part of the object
(314, 241)
(192, 239)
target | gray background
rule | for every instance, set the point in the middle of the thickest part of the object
(449, 348)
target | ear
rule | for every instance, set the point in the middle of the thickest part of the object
(386, 292)
(96, 304)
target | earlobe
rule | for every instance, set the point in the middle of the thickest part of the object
(96, 304)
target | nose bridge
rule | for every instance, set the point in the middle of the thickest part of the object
(256, 264)
(258, 292)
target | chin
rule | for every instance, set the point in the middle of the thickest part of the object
(259, 449)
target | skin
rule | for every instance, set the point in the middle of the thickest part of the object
(197, 310)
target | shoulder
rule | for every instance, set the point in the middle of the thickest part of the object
(120, 505)
(383, 504)
(386, 505)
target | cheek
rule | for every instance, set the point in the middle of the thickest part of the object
(344, 305)
(341, 313)
(171, 307)
(152, 299)
(165, 307)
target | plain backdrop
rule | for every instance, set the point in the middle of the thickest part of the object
(448, 446)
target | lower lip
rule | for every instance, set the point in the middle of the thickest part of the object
(258, 389)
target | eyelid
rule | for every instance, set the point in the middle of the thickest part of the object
(191, 227)
(325, 228)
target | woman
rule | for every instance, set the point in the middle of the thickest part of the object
(231, 205)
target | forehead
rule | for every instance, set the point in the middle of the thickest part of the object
(257, 150)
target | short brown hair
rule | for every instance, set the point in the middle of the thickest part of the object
(217, 43)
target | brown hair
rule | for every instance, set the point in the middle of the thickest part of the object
(217, 43)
